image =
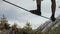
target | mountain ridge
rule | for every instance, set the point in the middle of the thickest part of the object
(49, 24)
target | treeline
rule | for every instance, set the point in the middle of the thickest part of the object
(26, 30)
(5, 28)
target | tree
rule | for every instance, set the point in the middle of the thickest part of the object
(4, 23)
(27, 29)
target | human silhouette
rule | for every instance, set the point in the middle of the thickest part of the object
(53, 8)
(38, 11)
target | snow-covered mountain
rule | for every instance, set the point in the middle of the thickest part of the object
(49, 24)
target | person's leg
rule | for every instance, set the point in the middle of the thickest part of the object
(39, 9)
(53, 8)
(39, 6)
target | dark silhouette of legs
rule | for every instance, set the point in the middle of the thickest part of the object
(38, 11)
(53, 8)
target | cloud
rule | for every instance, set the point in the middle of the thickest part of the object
(15, 14)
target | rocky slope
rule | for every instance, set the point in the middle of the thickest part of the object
(49, 24)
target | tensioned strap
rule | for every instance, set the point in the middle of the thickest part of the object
(16, 5)
(21, 8)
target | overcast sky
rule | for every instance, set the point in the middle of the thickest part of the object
(20, 16)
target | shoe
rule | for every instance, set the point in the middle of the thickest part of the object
(35, 12)
(53, 18)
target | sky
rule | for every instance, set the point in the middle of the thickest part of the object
(20, 16)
